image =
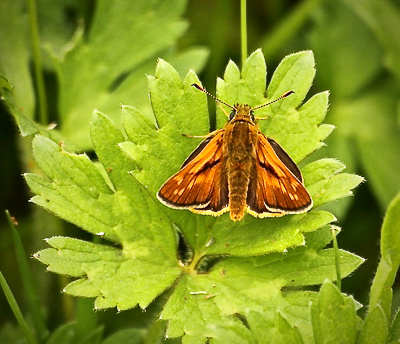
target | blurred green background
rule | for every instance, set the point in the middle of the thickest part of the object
(357, 52)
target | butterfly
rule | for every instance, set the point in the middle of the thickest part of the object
(240, 170)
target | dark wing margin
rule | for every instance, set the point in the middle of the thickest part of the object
(197, 150)
(276, 187)
(197, 185)
(286, 159)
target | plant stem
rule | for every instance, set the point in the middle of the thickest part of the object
(37, 62)
(337, 260)
(243, 30)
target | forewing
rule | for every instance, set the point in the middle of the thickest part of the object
(197, 151)
(285, 158)
(197, 185)
(276, 187)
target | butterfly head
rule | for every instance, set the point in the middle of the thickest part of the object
(242, 112)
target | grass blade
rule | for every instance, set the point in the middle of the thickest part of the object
(16, 310)
(28, 283)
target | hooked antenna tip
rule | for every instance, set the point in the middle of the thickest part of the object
(198, 87)
(288, 93)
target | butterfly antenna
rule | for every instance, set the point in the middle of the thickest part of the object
(212, 96)
(288, 93)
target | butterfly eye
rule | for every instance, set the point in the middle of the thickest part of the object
(253, 119)
(232, 115)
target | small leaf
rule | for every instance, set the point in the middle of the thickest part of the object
(390, 237)
(22, 116)
(326, 184)
(381, 292)
(334, 316)
(378, 318)
(394, 334)
(177, 106)
(375, 329)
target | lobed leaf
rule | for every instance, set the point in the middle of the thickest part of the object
(116, 199)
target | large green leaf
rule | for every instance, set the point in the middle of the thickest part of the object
(116, 200)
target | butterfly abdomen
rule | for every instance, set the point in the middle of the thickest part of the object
(240, 153)
(238, 183)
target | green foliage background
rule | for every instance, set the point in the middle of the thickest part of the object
(356, 46)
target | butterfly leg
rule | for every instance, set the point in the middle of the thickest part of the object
(196, 136)
(260, 118)
(223, 110)
(212, 134)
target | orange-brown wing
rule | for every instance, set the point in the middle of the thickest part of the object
(197, 186)
(276, 188)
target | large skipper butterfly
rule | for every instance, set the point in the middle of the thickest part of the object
(238, 169)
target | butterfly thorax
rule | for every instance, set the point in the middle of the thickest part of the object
(240, 140)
